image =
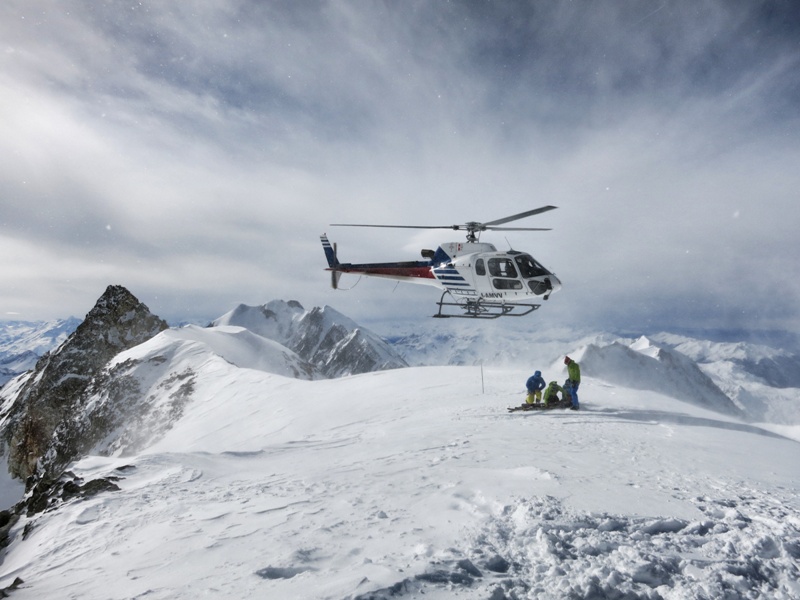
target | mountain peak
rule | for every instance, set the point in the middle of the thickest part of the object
(53, 390)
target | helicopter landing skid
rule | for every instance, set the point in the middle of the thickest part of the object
(481, 309)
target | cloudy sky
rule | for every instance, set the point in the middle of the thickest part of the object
(195, 151)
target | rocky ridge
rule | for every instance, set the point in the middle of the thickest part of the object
(37, 405)
(333, 343)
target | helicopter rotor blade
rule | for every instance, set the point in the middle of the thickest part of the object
(519, 228)
(472, 227)
(522, 215)
(456, 227)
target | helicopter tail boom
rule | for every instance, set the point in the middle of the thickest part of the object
(411, 271)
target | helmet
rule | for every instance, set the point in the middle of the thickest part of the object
(537, 374)
(567, 360)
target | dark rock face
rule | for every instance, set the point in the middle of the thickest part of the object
(46, 495)
(338, 350)
(53, 391)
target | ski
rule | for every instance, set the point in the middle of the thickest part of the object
(540, 407)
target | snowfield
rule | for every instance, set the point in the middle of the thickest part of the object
(417, 483)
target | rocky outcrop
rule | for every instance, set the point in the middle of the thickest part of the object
(53, 391)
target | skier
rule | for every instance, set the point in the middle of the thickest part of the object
(551, 393)
(535, 385)
(574, 379)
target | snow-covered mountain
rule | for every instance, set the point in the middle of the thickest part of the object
(741, 377)
(143, 392)
(90, 391)
(37, 408)
(763, 380)
(220, 461)
(332, 342)
(644, 365)
(275, 487)
(23, 342)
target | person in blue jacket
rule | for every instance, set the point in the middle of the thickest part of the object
(535, 385)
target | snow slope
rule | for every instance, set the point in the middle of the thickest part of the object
(417, 481)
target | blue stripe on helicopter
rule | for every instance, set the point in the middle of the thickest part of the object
(451, 279)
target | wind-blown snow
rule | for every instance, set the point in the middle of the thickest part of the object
(412, 481)
(236, 345)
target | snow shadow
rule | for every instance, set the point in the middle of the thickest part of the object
(671, 418)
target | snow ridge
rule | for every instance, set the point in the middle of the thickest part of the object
(646, 366)
(332, 342)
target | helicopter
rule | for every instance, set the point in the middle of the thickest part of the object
(478, 281)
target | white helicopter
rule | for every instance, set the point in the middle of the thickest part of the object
(480, 280)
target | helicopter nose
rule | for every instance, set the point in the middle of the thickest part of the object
(555, 282)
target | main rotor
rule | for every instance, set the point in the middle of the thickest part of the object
(473, 228)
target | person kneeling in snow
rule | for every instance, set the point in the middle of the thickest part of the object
(574, 379)
(552, 392)
(535, 385)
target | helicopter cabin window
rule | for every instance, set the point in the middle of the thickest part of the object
(529, 267)
(480, 267)
(506, 275)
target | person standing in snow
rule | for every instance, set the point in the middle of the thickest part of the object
(535, 385)
(574, 379)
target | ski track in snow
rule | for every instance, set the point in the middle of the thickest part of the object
(424, 488)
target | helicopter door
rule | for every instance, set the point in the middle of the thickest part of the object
(503, 274)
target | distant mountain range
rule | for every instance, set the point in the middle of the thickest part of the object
(758, 379)
(23, 342)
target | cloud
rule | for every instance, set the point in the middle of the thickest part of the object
(195, 151)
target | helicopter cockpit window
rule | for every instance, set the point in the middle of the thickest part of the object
(502, 269)
(480, 267)
(529, 267)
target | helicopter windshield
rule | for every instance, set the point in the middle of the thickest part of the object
(529, 267)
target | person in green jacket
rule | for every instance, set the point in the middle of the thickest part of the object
(574, 379)
(551, 393)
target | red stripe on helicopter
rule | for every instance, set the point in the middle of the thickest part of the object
(421, 272)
